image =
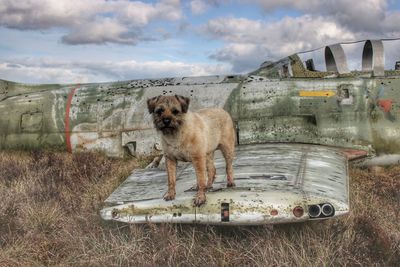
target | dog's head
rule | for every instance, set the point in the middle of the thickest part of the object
(168, 112)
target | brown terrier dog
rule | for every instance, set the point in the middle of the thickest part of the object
(193, 137)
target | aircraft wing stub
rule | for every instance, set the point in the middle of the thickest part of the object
(271, 181)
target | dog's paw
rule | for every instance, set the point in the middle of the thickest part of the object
(199, 200)
(230, 184)
(169, 196)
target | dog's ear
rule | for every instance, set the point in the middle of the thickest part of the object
(184, 101)
(151, 103)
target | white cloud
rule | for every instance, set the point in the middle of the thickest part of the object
(271, 5)
(89, 21)
(250, 42)
(141, 14)
(198, 7)
(34, 74)
(278, 35)
(104, 31)
(44, 70)
(45, 14)
(366, 16)
(391, 23)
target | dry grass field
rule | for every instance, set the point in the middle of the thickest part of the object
(49, 216)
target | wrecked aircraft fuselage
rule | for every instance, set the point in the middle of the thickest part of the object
(280, 102)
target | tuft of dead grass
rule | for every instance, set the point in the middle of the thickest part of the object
(49, 216)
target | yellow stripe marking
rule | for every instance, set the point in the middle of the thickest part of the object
(323, 93)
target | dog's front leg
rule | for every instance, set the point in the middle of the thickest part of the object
(199, 164)
(171, 170)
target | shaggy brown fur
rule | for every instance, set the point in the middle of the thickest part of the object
(193, 137)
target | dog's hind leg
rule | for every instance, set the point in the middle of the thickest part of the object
(228, 151)
(211, 171)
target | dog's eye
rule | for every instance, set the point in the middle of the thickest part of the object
(159, 111)
(175, 112)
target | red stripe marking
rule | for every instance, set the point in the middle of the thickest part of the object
(385, 104)
(67, 119)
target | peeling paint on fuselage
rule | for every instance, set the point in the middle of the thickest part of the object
(265, 108)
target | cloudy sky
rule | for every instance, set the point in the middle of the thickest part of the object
(46, 41)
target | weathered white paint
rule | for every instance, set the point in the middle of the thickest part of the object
(268, 177)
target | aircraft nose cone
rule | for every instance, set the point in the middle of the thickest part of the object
(166, 122)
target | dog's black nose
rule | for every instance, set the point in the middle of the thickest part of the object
(166, 121)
